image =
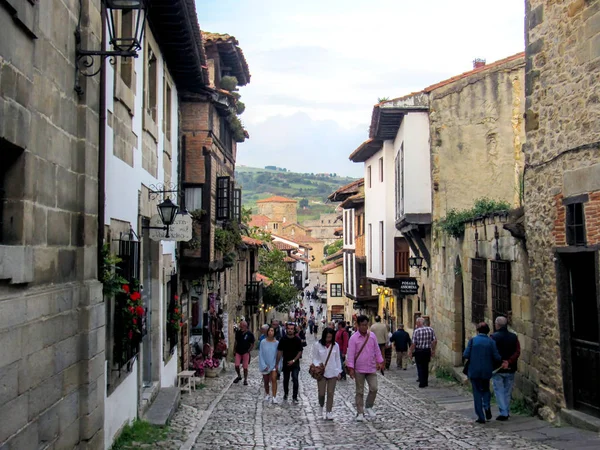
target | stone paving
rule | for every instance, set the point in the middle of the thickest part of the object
(233, 416)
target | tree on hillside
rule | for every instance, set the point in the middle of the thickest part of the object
(303, 203)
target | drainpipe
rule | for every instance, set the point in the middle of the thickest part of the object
(102, 151)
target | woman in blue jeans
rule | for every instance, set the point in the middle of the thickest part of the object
(482, 354)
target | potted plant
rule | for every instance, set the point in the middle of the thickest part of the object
(212, 367)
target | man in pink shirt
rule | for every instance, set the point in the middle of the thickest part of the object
(363, 361)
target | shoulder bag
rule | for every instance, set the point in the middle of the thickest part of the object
(317, 371)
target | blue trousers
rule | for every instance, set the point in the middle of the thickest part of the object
(481, 396)
(503, 386)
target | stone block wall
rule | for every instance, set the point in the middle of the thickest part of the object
(51, 307)
(451, 284)
(476, 128)
(278, 211)
(562, 155)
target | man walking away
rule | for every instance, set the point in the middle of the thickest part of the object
(244, 343)
(482, 353)
(503, 381)
(401, 340)
(381, 332)
(423, 347)
(341, 338)
(290, 350)
(363, 361)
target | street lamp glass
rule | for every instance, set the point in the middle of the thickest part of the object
(200, 288)
(210, 283)
(126, 17)
(167, 211)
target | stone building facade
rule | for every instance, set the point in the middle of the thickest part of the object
(324, 227)
(279, 209)
(51, 307)
(562, 188)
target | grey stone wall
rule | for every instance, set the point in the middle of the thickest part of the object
(51, 307)
(562, 116)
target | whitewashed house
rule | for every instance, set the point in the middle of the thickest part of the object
(141, 167)
(398, 138)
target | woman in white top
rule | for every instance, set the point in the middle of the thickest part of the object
(332, 372)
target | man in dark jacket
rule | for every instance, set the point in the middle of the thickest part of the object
(503, 381)
(482, 355)
(401, 340)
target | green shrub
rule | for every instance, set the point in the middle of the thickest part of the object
(139, 432)
(454, 222)
(229, 83)
(444, 373)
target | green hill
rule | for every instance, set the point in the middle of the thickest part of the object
(311, 190)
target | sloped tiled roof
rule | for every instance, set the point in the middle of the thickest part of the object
(342, 192)
(231, 54)
(289, 259)
(335, 256)
(282, 246)
(251, 241)
(331, 266)
(474, 71)
(259, 220)
(296, 225)
(266, 280)
(307, 239)
(365, 150)
(277, 199)
(296, 241)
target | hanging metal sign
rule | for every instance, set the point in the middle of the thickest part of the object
(408, 286)
(180, 231)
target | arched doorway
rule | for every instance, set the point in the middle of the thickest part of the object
(459, 313)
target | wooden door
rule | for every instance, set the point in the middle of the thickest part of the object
(580, 329)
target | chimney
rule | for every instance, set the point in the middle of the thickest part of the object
(478, 62)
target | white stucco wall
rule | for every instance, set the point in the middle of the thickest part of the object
(121, 407)
(414, 133)
(379, 206)
(123, 184)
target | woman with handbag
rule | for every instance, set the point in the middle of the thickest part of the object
(326, 368)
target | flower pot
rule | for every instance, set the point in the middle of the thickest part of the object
(211, 373)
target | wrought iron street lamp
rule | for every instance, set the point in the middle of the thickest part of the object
(167, 210)
(199, 287)
(415, 261)
(125, 40)
(210, 283)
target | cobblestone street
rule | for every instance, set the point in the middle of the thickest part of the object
(224, 415)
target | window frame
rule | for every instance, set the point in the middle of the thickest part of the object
(223, 205)
(187, 201)
(369, 181)
(382, 247)
(381, 169)
(401, 256)
(237, 205)
(478, 289)
(500, 285)
(572, 226)
(370, 237)
(338, 290)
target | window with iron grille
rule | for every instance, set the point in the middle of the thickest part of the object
(223, 187)
(575, 226)
(478, 289)
(129, 266)
(335, 290)
(237, 205)
(500, 271)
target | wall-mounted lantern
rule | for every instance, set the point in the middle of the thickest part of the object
(125, 46)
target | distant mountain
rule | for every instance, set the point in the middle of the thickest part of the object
(310, 189)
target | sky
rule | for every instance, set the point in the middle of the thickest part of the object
(319, 66)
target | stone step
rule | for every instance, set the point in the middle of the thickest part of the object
(163, 407)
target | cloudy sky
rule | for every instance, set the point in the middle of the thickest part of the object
(319, 66)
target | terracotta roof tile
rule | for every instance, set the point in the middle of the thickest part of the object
(296, 241)
(474, 71)
(266, 280)
(251, 241)
(232, 54)
(282, 246)
(259, 221)
(331, 266)
(350, 188)
(277, 199)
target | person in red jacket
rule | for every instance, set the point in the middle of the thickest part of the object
(341, 338)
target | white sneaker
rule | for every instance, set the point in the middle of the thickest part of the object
(276, 401)
(267, 398)
(329, 416)
(321, 412)
(360, 418)
(370, 413)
